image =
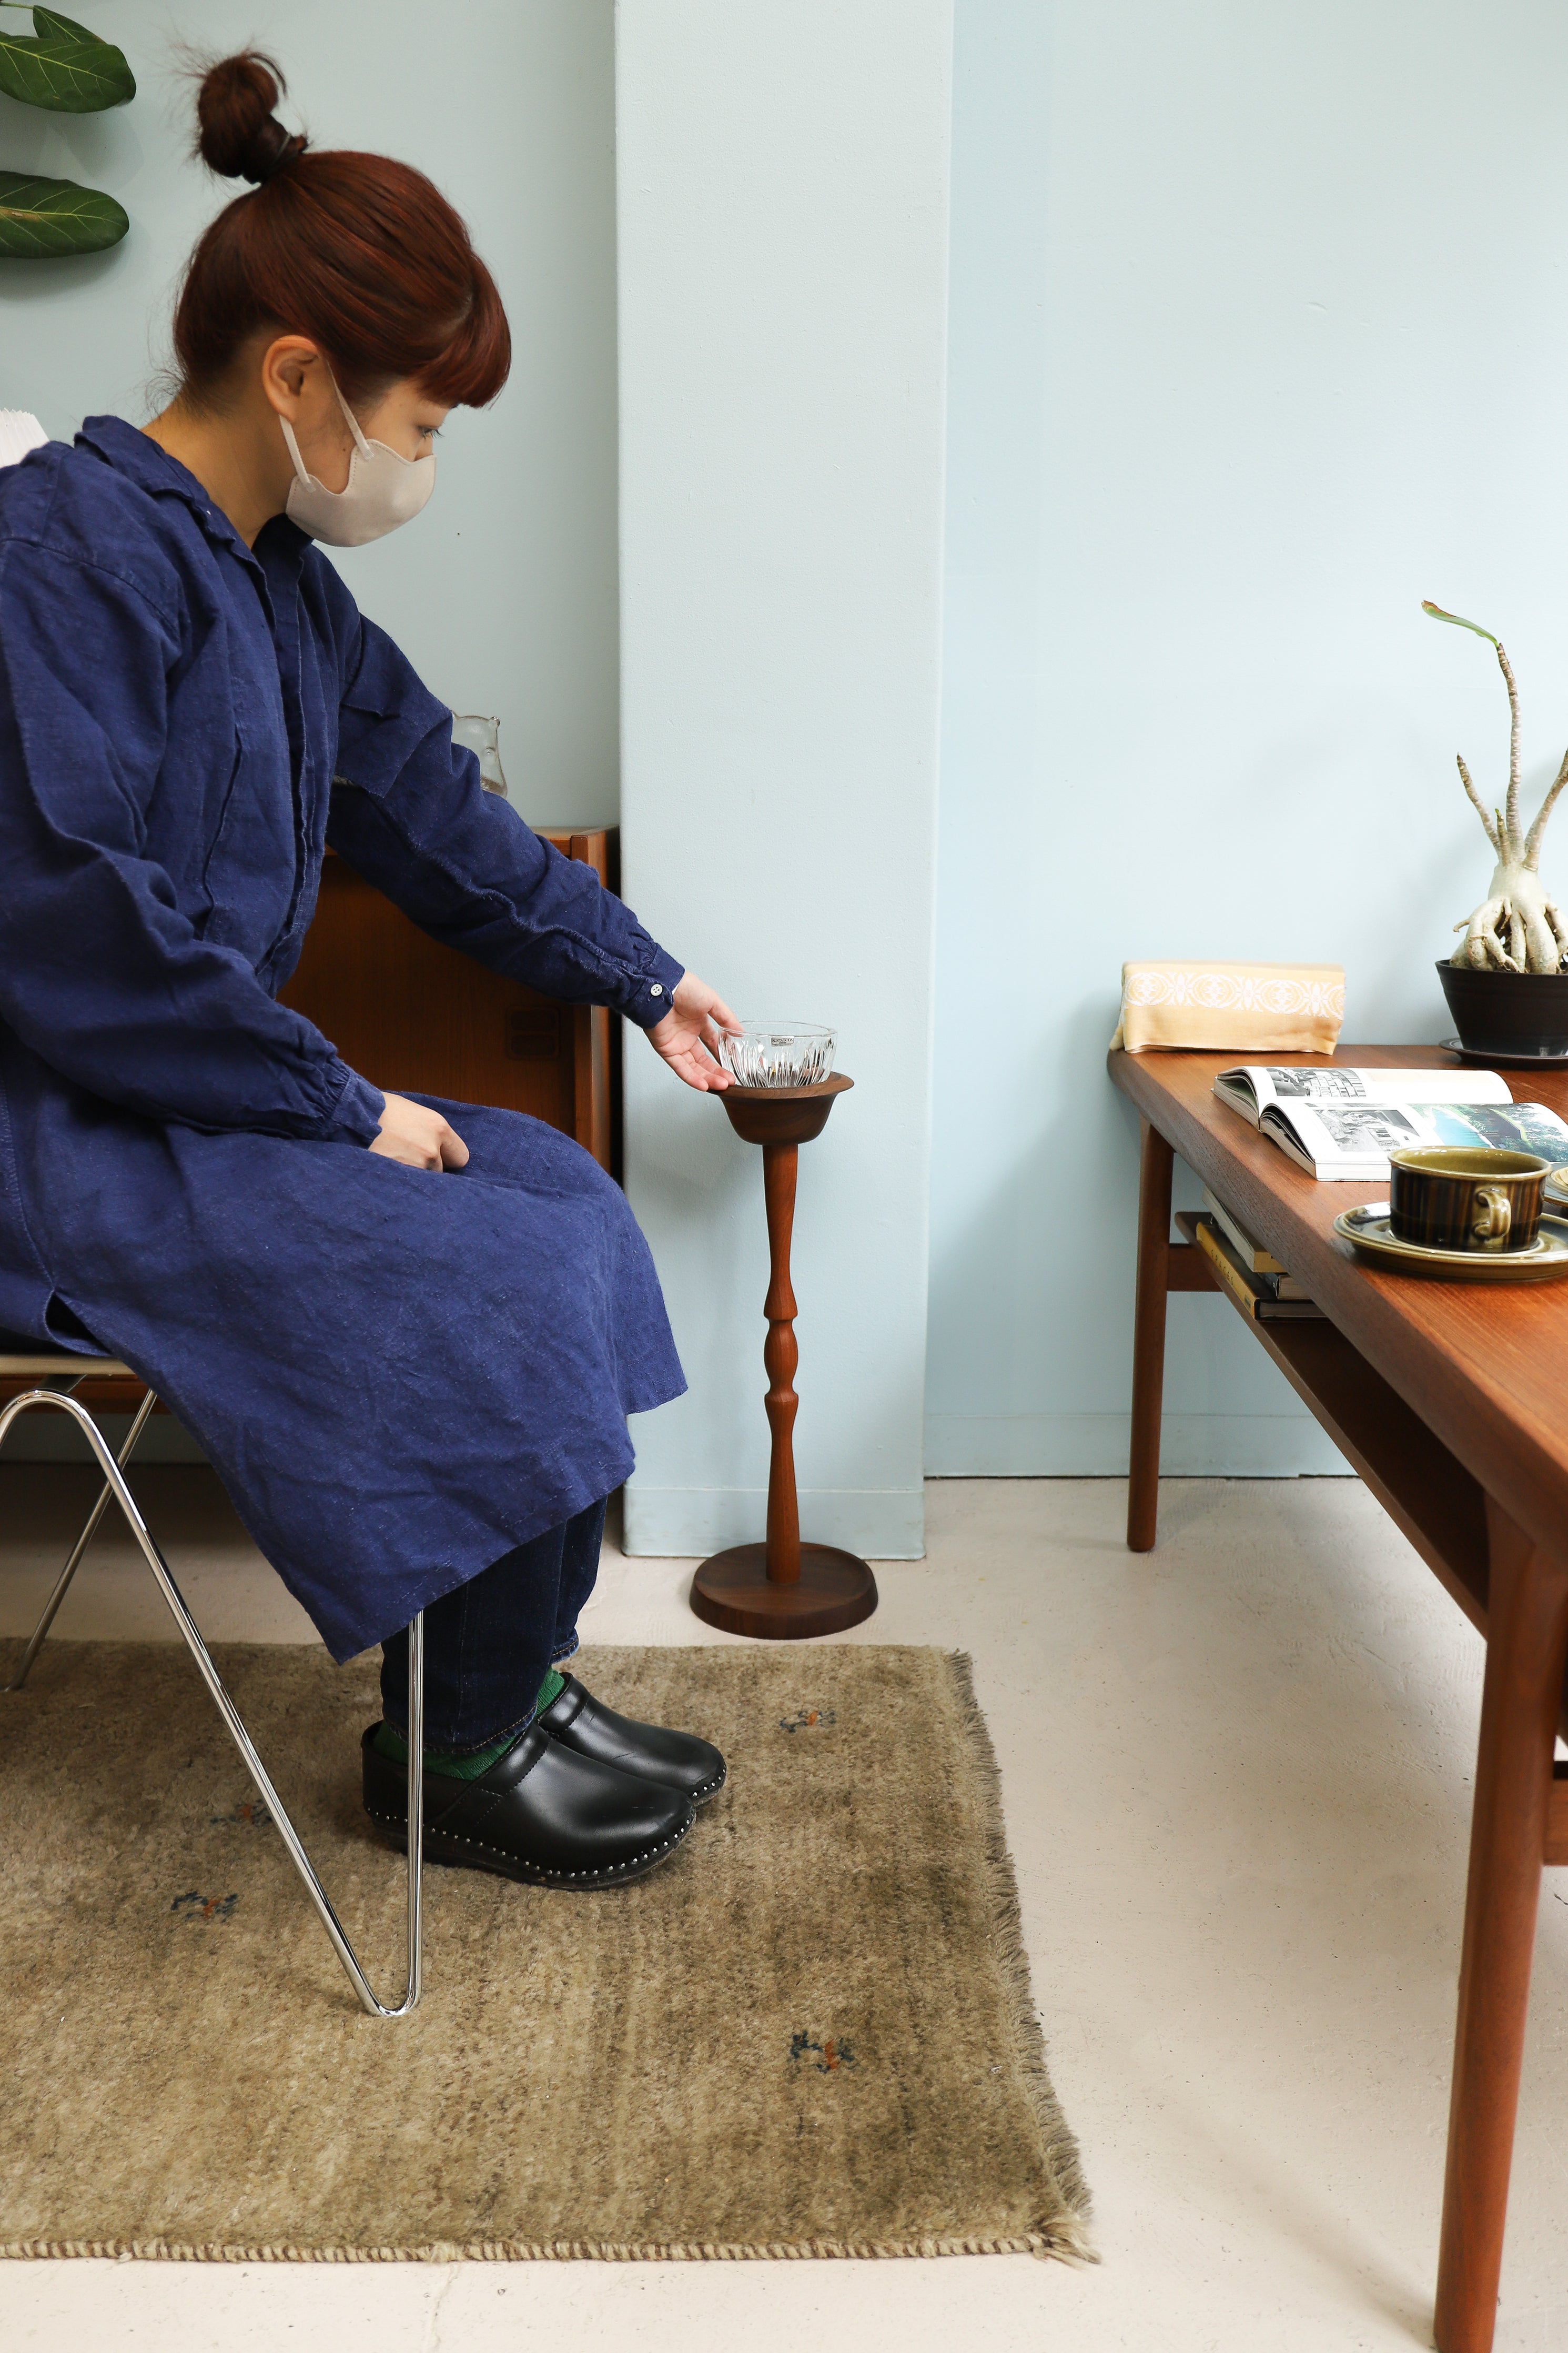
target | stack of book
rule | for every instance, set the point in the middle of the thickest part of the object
(1259, 1285)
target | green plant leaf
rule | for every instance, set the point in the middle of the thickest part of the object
(1458, 620)
(41, 220)
(66, 69)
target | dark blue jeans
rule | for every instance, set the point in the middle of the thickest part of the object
(489, 1644)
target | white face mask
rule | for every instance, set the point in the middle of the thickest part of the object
(383, 488)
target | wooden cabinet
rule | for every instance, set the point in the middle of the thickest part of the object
(417, 1018)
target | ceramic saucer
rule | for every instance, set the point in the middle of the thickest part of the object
(1555, 1185)
(1505, 1061)
(1370, 1231)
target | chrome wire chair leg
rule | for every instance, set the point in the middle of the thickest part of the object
(115, 1486)
(39, 1634)
(416, 1817)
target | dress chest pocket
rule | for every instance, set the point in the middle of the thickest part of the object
(250, 872)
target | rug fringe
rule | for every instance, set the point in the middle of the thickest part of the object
(1060, 2243)
(1067, 2236)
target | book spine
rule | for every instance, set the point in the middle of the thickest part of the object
(1236, 1280)
(1252, 1254)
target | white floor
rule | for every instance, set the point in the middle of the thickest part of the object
(1237, 1778)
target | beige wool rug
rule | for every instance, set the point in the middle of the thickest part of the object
(810, 2034)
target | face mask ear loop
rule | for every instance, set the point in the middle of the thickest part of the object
(359, 442)
(294, 452)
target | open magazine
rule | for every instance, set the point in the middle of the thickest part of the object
(1341, 1124)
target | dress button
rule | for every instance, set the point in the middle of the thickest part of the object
(655, 990)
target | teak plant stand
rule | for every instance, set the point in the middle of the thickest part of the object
(783, 1590)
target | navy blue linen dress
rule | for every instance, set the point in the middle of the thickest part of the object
(399, 1375)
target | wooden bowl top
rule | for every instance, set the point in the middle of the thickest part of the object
(782, 1115)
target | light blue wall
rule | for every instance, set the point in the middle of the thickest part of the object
(783, 284)
(1257, 327)
(1259, 334)
(503, 592)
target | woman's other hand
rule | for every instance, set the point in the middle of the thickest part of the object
(688, 1037)
(419, 1137)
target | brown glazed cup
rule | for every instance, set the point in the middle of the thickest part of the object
(1470, 1198)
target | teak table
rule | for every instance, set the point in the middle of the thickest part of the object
(1449, 1399)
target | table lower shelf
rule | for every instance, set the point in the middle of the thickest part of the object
(1430, 1496)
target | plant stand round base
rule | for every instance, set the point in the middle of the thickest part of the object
(734, 1592)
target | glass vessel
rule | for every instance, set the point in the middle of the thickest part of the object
(779, 1053)
(482, 736)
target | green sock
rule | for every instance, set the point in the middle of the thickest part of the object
(469, 1766)
(464, 1767)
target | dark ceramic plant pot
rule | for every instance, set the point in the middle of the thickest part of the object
(1524, 1014)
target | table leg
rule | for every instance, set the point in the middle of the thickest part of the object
(1527, 1643)
(1149, 1340)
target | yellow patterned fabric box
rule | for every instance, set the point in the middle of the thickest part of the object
(1277, 1008)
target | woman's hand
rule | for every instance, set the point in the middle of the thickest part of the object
(688, 1037)
(419, 1137)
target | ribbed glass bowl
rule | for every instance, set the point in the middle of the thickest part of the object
(779, 1053)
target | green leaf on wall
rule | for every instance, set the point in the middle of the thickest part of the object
(41, 220)
(66, 69)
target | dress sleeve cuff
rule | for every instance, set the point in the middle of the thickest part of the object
(649, 992)
(356, 1114)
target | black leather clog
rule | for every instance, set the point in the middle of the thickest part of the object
(679, 1760)
(542, 1813)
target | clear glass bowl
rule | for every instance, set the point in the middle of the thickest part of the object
(483, 736)
(779, 1054)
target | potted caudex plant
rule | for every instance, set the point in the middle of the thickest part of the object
(1506, 982)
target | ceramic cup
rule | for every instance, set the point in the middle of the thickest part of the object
(1465, 1200)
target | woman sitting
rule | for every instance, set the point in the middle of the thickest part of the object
(408, 1333)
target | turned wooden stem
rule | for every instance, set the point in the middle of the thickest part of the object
(781, 1355)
